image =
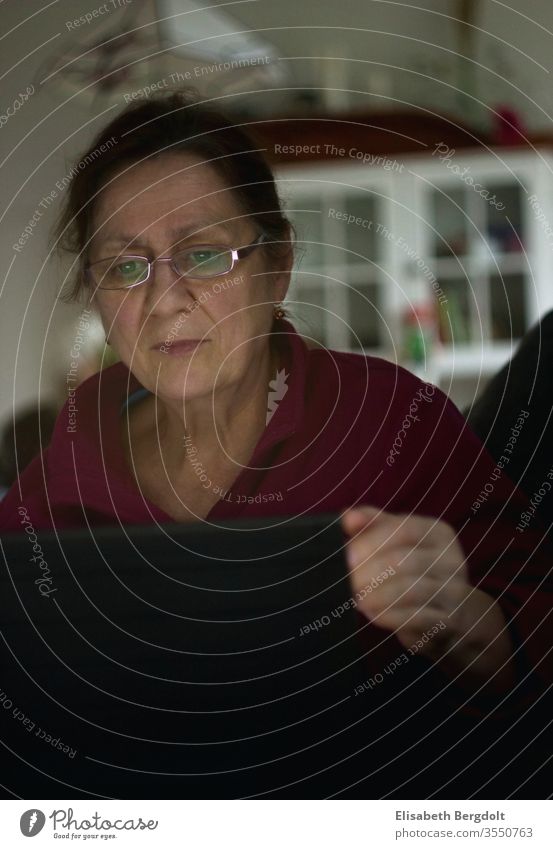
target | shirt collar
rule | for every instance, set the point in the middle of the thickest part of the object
(292, 367)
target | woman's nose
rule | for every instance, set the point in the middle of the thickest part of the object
(165, 286)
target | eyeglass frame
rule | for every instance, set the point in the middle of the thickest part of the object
(236, 255)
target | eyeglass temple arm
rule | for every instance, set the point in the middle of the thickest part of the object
(242, 252)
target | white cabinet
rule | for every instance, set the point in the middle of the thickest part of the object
(469, 233)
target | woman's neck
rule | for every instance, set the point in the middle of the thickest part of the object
(224, 427)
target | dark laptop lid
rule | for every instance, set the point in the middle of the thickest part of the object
(178, 661)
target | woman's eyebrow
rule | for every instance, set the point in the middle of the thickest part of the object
(175, 234)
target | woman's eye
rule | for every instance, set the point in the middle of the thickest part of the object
(129, 268)
(203, 255)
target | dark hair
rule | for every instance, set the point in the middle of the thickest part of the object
(168, 123)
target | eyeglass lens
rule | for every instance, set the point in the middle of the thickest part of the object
(200, 262)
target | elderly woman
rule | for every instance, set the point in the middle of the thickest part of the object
(219, 409)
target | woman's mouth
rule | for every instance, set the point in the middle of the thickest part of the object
(178, 347)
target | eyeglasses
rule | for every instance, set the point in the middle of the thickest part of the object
(198, 262)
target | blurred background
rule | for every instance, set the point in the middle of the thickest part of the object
(412, 143)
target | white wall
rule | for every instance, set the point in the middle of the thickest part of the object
(37, 147)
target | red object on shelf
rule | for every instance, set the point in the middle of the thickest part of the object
(419, 324)
(508, 128)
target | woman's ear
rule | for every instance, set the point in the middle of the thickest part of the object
(281, 280)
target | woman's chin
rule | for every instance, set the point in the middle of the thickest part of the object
(184, 386)
(173, 378)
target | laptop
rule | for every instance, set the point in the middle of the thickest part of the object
(179, 661)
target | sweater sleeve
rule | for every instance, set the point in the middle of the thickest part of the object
(443, 470)
(524, 385)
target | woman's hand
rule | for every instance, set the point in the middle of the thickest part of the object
(410, 575)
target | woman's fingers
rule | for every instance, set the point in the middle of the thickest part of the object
(376, 533)
(408, 570)
(355, 519)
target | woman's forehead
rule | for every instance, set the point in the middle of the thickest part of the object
(177, 191)
(113, 235)
(164, 171)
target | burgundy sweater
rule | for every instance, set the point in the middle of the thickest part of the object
(349, 430)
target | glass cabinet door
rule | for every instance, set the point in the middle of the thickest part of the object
(335, 294)
(504, 218)
(508, 306)
(363, 285)
(481, 238)
(365, 316)
(449, 222)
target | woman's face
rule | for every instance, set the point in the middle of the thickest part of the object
(171, 203)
